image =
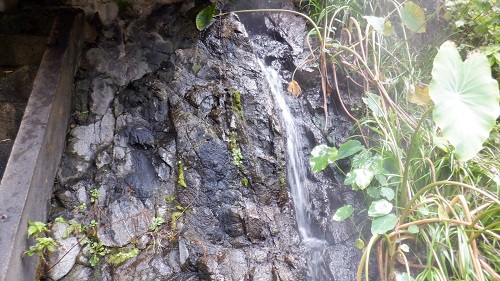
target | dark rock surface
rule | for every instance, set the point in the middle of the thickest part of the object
(173, 123)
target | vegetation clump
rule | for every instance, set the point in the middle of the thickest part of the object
(423, 155)
(180, 179)
(237, 107)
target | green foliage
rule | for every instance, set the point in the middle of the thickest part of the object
(382, 224)
(235, 151)
(122, 255)
(237, 104)
(323, 155)
(180, 179)
(174, 216)
(414, 185)
(74, 228)
(61, 220)
(36, 228)
(343, 213)
(477, 25)
(43, 244)
(244, 181)
(282, 182)
(466, 99)
(82, 206)
(97, 251)
(237, 156)
(204, 18)
(413, 17)
(155, 223)
(94, 195)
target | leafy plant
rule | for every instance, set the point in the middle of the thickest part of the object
(204, 18)
(466, 99)
(36, 228)
(97, 251)
(477, 25)
(94, 195)
(43, 244)
(403, 163)
(155, 224)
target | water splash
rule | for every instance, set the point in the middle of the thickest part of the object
(296, 172)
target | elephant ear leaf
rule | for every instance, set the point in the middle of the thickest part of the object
(204, 17)
(466, 99)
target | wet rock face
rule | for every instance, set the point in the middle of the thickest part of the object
(278, 41)
(173, 124)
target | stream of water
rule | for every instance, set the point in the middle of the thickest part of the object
(296, 174)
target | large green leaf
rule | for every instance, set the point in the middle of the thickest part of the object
(321, 156)
(413, 17)
(379, 208)
(466, 99)
(204, 17)
(359, 178)
(343, 213)
(349, 148)
(381, 225)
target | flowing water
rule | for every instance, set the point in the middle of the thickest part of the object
(296, 174)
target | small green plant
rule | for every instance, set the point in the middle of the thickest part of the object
(94, 195)
(386, 172)
(174, 216)
(74, 228)
(155, 224)
(43, 244)
(37, 228)
(82, 206)
(180, 179)
(97, 251)
(235, 151)
(476, 23)
(282, 182)
(244, 181)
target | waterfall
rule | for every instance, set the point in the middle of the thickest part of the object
(296, 174)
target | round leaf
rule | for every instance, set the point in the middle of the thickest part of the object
(387, 193)
(204, 17)
(343, 213)
(413, 17)
(466, 99)
(383, 224)
(349, 148)
(360, 244)
(413, 229)
(379, 208)
(359, 178)
(321, 156)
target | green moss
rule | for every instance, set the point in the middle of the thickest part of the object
(122, 255)
(282, 182)
(180, 180)
(237, 104)
(244, 181)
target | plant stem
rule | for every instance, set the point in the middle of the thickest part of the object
(438, 183)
